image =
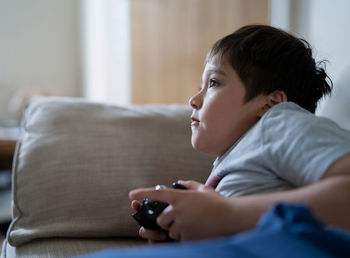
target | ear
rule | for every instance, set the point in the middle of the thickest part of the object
(272, 99)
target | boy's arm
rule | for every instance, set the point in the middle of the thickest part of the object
(202, 213)
(328, 199)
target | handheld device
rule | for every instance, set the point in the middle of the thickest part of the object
(150, 209)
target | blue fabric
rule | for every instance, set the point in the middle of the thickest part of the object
(284, 231)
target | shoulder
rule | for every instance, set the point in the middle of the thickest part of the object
(289, 119)
(304, 145)
(286, 113)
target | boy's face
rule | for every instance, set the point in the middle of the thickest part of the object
(220, 115)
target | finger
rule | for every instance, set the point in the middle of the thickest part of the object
(190, 184)
(206, 188)
(162, 195)
(166, 218)
(136, 205)
(194, 185)
(131, 195)
(153, 235)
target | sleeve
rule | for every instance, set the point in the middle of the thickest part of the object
(302, 146)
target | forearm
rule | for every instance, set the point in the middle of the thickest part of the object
(328, 199)
(200, 212)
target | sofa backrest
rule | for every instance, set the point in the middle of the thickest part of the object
(76, 161)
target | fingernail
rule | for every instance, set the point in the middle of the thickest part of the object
(141, 231)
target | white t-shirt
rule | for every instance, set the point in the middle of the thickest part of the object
(288, 148)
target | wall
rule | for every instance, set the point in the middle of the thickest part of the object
(106, 50)
(324, 24)
(39, 48)
(170, 40)
(328, 31)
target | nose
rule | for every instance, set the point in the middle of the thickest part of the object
(196, 101)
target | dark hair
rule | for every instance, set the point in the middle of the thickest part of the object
(268, 59)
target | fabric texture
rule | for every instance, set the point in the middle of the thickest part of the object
(76, 161)
(286, 230)
(289, 147)
(67, 247)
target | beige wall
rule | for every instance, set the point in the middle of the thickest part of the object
(170, 40)
(323, 24)
(39, 48)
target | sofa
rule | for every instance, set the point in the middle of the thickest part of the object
(75, 163)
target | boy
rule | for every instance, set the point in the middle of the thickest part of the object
(259, 89)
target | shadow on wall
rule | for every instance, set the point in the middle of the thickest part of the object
(337, 106)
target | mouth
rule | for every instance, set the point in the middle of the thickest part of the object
(194, 121)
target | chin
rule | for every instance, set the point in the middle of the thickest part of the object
(196, 145)
(202, 147)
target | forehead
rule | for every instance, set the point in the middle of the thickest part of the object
(217, 58)
(217, 64)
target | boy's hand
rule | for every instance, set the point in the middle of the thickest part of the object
(195, 213)
(153, 236)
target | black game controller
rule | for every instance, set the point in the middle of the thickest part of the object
(147, 215)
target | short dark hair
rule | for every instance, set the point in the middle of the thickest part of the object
(268, 59)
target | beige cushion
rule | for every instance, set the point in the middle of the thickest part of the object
(67, 247)
(76, 162)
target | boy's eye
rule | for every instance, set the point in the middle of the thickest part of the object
(213, 83)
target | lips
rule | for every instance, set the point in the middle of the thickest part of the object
(194, 121)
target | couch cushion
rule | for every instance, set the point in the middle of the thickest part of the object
(76, 161)
(67, 247)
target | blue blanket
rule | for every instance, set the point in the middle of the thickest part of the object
(284, 231)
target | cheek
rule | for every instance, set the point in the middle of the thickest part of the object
(217, 121)
(212, 111)
(207, 137)
(218, 115)
(202, 135)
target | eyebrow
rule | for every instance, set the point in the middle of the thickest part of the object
(211, 71)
